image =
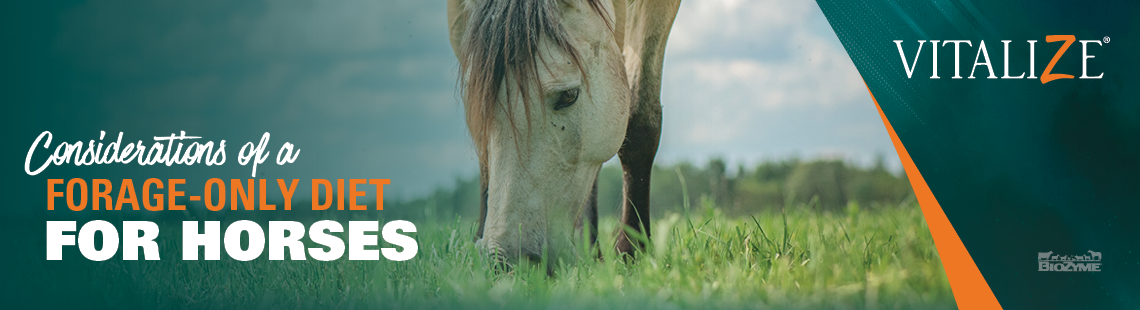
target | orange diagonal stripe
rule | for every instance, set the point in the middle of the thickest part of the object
(970, 289)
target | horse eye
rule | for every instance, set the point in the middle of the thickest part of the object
(566, 99)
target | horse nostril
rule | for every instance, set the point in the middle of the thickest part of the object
(496, 259)
(534, 257)
(499, 263)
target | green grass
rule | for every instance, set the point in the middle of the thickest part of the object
(884, 259)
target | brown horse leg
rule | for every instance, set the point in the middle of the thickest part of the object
(637, 152)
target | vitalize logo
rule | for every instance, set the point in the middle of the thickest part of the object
(1046, 76)
(1046, 261)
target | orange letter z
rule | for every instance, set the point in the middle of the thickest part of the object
(1046, 76)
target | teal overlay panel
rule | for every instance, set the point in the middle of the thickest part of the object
(1020, 168)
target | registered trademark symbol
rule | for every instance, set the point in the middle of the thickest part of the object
(1106, 39)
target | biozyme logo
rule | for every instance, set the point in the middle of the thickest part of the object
(1046, 261)
(983, 54)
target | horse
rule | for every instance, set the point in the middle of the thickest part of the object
(551, 90)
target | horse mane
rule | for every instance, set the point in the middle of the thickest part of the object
(500, 45)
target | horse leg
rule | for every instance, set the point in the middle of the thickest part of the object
(637, 152)
(647, 29)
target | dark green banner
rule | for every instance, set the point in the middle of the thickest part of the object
(1024, 119)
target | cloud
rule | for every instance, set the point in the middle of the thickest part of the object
(737, 27)
(746, 79)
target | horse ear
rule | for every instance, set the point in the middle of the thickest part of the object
(456, 22)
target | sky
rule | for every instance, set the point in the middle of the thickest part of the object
(754, 80)
(367, 89)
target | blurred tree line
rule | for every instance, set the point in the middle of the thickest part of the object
(828, 185)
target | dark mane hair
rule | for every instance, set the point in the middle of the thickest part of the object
(501, 44)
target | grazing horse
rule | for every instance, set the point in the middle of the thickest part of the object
(551, 90)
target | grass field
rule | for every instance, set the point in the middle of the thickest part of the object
(880, 259)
